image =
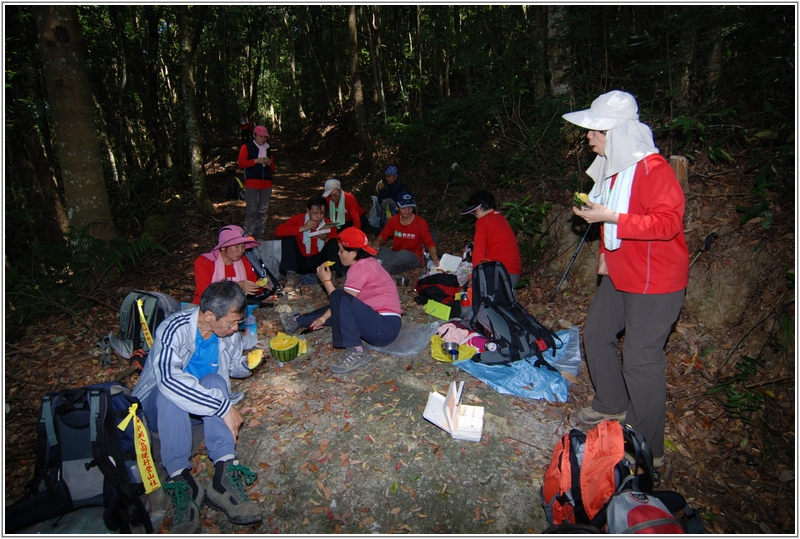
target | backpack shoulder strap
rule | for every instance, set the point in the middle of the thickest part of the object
(106, 446)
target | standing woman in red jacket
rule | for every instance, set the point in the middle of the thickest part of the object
(255, 158)
(644, 263)
(494, 237)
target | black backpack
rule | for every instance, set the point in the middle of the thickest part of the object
(92, 450)
(441, 287)
(273, 286)
(156, 307)
(500, 318)
(234, 190)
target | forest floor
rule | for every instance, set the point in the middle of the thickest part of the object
(352, 453)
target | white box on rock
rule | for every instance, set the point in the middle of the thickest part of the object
(462, 421)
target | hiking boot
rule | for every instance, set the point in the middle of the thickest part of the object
(289, 323)
(658, 462)
(352, 359)
(292, 282)
(186, 496)
(591, 417)
(227, 494)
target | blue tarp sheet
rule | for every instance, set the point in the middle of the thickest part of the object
(522, 379)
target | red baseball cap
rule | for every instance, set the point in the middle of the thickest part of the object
(353, 238)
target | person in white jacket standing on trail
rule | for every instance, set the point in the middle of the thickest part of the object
(185, 384)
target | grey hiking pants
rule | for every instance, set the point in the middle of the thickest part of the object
(638, 383)
(255, 216)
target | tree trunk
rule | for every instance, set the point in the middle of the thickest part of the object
(419, 60)
(558, 63)
(358, 92)
(152, 111)
(714, 60)
(70, 100)
(194, 139)
(293, 65)
(685, 55)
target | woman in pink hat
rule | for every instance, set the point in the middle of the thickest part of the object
(255, 158)
(225, 263)
(367, 310)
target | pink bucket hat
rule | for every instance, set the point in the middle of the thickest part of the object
(234, 235)
(261, 131)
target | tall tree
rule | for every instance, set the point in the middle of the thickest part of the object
(358, 91)
(189, 28)
(70, 98)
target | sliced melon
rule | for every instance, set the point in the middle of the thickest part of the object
(284, 347)
(328, 263)
(254, 358)
(302, 346)
(261, 283)
(580, 199)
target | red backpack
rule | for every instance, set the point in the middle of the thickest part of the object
(594, 484)
(588, 468)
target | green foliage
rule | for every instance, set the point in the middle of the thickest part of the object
(736, 398)
(526, 220)
(60, 276)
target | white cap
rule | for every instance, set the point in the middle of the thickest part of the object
(330, 185)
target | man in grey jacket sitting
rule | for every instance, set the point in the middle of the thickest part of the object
(186, 383)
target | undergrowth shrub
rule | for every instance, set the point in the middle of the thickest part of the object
(60, 276)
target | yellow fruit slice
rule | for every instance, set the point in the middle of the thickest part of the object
(328, 263)
(580, 199)
(284, 347)
(302, 347)
(254, 358)
(261, 283)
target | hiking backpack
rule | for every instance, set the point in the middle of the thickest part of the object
(262, 271)
(604, 479)
(134, 335)
(498, 316)
(234, 190)
(92, 450)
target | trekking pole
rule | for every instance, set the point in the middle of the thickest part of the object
(705, 247)
(453, 167)
(578, 250)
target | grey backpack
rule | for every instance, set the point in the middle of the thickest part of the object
(155, 306)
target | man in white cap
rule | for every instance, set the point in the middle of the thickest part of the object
(644, 263)
(255, 158)
(343, 208)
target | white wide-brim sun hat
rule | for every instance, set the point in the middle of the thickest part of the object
(608, 111)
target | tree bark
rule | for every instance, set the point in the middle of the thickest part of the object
(194, 139)
(70, 99)
(685, 55)
(558, 63)
(714, 60)
(358, 92)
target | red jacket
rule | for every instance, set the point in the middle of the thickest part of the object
(292, 228)
(653, 258)
(495, 240)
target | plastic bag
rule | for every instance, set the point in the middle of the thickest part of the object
(413, 339)
(522, 379)
(465, 351)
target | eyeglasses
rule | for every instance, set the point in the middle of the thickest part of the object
(231, 326)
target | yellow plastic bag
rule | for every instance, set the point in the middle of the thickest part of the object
(465, 351)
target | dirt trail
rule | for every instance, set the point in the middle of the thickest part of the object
(352, 453)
